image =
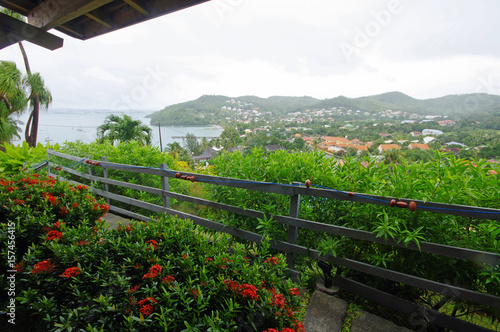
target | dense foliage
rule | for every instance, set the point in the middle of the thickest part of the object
(445, 179)
(123, 129)
(129, 153)
(14, 158)
(79, 275)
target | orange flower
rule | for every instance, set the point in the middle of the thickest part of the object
(54, 235)
(43, 267)
(71, 272)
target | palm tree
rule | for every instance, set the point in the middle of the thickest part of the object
(12, 99)
(116, 129)
(39, 94)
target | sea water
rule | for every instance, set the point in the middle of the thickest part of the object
(59, 126)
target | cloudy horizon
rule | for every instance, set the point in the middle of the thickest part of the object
(318, 48)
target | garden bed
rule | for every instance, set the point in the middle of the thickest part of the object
(73, 273)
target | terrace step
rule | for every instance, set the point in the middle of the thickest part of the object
(113, 220)
(326, 313)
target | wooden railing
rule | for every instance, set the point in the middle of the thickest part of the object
(290, 247)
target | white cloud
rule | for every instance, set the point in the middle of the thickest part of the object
(278, 47)
(102, 74)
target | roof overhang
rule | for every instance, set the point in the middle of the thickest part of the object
(82, 19)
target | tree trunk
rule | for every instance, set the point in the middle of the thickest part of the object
(31, 131)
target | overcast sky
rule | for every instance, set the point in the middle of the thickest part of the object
(318, 48)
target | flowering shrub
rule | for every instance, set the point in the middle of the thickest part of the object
(40, 206)
(163, 275)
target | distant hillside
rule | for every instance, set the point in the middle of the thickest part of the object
(212, 109)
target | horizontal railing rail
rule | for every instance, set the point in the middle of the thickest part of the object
(290, 246)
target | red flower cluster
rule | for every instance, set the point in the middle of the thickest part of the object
(19, 267)
(52, 200)
(153, 243)
(294, 291)
(43, 267)
(195, 293)
(278, 301)
(168, 279)
(71, 272)
(81, 187)
(64, 211)
(153, 272)
(244, 290)
(82, 243)
(146, 306)
(133, 289)
(103, 207)
(58, 224)
(299, 327)
(54, 235)
(272, 260)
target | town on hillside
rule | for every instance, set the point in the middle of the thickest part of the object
(339, 132)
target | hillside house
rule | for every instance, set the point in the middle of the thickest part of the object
(419, 146)
(446, 123)
(360, 148)
(387, 147)
(415, 133)
(433, 132)
(206, 155)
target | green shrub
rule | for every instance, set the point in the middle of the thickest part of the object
(35, 202)
(128, 153)
(164, 274)
(15, 158)
(445, 179)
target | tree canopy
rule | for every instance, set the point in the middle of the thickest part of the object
(117, 129)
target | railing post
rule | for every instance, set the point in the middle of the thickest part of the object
(48, 162)
(90, 170)
(165, 187)
(292, 230)
(105, 175)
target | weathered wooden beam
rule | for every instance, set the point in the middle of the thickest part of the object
(136, 6)
(53, 13)
(73, 29)
(13, 31)
(100, 17)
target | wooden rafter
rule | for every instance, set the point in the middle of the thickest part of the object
(51, 13)
(100, 17)
(136, 6)
(13, 31)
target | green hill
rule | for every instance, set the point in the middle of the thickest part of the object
(212, 109)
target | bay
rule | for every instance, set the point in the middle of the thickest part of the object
(59, 126)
